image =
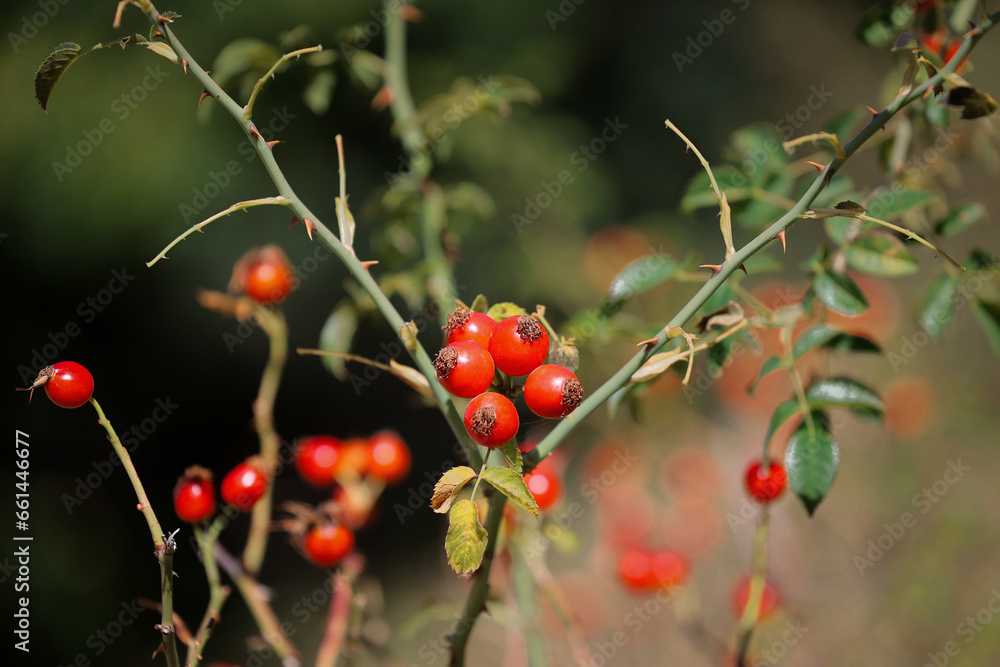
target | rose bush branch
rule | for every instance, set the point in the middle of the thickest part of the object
(596, 398)
(346, 255)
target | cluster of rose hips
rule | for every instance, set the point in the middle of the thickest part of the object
(645, 570)
(326, 535)
(477, 347)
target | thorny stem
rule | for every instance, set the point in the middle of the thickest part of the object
(273, 324)
(344, 253)
(597, 398)
(164, 547)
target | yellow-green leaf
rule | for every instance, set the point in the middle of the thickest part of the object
(512, 485)
(52, 69)
(513, 456)
(449, 485)
(465, 543)
(881, 255)
(504, 309)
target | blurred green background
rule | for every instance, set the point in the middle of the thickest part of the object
(65, 235)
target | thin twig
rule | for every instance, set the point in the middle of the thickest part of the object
(248, 109)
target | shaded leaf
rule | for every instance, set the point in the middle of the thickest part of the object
(512, 485)
(939, 305)
(988, 314)
(465, 542)
(851, 206)
(975, 103)
(892, 203)
(770, 365)
(729, 315)
(479, 304)
(881, 255)
(846, 393)
(513, 456)
(52, 69)
(449, 485)
(785, 411)
(884, 22)
(640, 275)
(960, 218)
(336, 336)
(811, 462)
(980, 260)
(840, 293)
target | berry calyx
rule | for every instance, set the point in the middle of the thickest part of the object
(464, 369)
(544, 486)
(317, 459)
(766, 484)
(519, 345)
(244, 485)
(194, 495)
(491, 419)
(326, 544)
(264, 274)
(552, 391)
(388, 457)
(465, 324)
(67, 384)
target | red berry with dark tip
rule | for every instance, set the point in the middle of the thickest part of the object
(464, 368)
(491, 419)
(552, 391)
(519, 345)
(465, 324)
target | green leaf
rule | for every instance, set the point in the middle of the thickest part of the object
(840, 293)
(513, 456)
(988, 315)
(698, 193)
(479, 304)
(785, 411)
(939, 305)
(52, 69)
(888, 204)
(960, 218)
(882, 23)
(846, 393)
(504, 309)
(980, 260)
(165, 50)
(512, 485)
(881, 255)
(244, 57)
(318, 93)
(465, 542)
(770, 365)
(449, 485)
(336, 336)
(758, 145)
(841, 229)
(851, 343)
(640, 275)
(811, 462)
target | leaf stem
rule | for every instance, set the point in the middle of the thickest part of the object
(248, 109)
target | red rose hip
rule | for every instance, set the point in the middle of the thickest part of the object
(766, 484)
(552, 391)
(317, 459)
(491, 419)
(244, 485)
(465, 324)
(519, 345)
(194, 495)
(464, 369)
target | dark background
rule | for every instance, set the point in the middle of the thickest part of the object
(64, 238)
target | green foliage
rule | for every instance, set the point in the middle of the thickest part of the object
(465, 542)
(812, 459)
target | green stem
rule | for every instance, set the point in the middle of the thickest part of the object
(266, 619)
(217, 594)
(166, 626)
(248, 109)
(343, 253)
(402, 106)
(525, 593)
(273, 324)
(751, 612)
(476, 601)
(731, 264)
(155, 531)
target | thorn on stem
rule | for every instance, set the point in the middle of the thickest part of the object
(714, 267)
(254, 133)
(781, 237)
(367, 265)
(744, 269)
(310, 226)
(649, 342)
(272, 144)
(204, 94)
(818, 166)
